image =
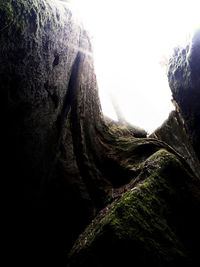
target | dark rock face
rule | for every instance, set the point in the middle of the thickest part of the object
(48, 79)
(152, 223)
(184, 81)
(36, 73)
(152, 220)
(173, 133)
(69, 164)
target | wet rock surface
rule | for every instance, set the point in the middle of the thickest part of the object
(138, 197)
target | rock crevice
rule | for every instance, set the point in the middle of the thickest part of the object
(74, 170)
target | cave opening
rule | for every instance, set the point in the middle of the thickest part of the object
(132, 41)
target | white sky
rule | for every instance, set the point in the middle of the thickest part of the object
(130, 39)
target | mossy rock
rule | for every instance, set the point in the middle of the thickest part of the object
(174, 133)
(30, 16)
(154, 222)
(124, 128)
(69, 160)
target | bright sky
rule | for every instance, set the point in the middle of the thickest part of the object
(130, 38)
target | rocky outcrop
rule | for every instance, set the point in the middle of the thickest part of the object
(122, 127)
(71, 166)
(184, 81)
(173, 132)
(40, 54)
(154, 222)
(122, 122)
(47, 78)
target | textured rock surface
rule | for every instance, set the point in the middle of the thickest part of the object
(154, 222)
(45, 69)
(153, 218)
(184, 81)
(68, 164)
(173, 132)
(40, 44)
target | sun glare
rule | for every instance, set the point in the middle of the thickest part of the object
(132, 41)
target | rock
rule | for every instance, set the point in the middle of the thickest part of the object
(46, 65)
(122, 122)
(173, 132)
(154, 222)
(47, 78)
(184, 81)
(69, 165)
(35, 74)
(152, 219)
(124, 128)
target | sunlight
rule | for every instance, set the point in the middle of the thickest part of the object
(131, 39)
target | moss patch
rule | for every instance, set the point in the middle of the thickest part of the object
(29, 15)
(174, 133)
(144, 224)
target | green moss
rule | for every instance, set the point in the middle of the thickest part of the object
(7, 11)
(174, 133)
(137, 214)
(142, 221)
(31, 15)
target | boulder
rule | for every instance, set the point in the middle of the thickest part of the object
(154, 222)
